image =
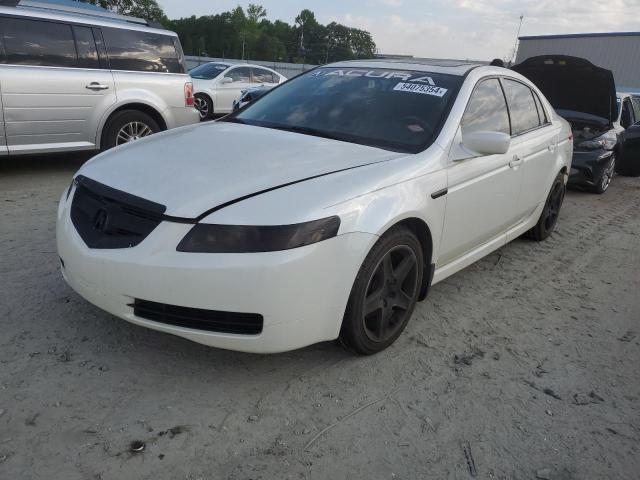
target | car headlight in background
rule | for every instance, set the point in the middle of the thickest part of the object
(606, 142)
(210, 238)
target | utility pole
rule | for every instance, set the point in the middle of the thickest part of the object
(515, 45)
(243, 45)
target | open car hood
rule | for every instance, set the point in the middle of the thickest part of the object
(573, 84)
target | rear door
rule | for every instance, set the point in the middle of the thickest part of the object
(54, 89)
(533, 145)
(228, 92)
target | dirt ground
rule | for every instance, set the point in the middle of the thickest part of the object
(522, 366)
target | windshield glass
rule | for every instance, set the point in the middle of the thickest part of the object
(392, 109)
(208, 71)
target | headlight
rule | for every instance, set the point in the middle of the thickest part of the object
(606, 142)
(208, 238)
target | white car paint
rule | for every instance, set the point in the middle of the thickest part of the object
(223, 93)
(302, 292)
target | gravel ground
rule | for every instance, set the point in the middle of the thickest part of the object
(522, 366)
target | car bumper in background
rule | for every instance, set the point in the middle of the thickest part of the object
(587, 166)
(300, 294)
(181, 116)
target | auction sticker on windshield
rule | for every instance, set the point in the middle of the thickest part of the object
(420, 88)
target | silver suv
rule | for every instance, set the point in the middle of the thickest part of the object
(82, 78)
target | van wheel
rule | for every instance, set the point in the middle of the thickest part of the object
(384, 293)
(204, 105)
(128, 126)
(551, 211)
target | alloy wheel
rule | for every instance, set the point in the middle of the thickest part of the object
(553, 206)
(390, 293)
(132, 131)
(202, 106)
(607, 175)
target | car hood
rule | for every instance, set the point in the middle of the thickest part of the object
(572, 83)
(194, 169)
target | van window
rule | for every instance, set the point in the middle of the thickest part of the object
(141, 51)
(522, 107)
(487, 109)
(34, 42)
(86, 47)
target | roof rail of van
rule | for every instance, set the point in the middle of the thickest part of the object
(89, 10)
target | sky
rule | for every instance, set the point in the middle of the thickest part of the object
(461, 29)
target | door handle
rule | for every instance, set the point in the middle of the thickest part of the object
(517, 161)
(96, 86)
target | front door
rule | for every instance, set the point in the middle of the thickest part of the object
(54, 90)
(482, 191)
(228, 92)
(628, 162)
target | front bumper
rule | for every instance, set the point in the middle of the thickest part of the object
(587, 167)
(301, 293)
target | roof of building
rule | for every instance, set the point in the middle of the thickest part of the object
(581, 35)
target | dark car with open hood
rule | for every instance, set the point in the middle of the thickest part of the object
(585, 96)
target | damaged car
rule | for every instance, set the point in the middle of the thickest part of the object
(585, 96)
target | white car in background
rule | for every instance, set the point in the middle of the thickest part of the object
(324, 210)
(217, 85)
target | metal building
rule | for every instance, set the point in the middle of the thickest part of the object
(618, 52)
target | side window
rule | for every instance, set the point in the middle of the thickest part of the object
(86, 47)
(33, 42)
(626, 119)
(486, 110)
(141, 51)
(240, 74)
(261, 75)
(522, 106)
(542, 115)
(635, 100)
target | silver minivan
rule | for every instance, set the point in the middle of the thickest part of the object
(83, 78)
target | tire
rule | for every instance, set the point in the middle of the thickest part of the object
(388, 282)
(605, 179)
(204, 105)
(551, 211)
(115, 130)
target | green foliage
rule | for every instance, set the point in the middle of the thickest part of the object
(136, 8)
(224, 34)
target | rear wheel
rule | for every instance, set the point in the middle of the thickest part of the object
(384, 293)
(551, 211)
(605, 180)
(127, 126)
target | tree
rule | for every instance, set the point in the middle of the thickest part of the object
(148, 9)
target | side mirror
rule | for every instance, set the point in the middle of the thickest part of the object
(226, 80)
(486, 143)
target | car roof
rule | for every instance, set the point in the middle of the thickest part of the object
(81, 18)
(452, 67)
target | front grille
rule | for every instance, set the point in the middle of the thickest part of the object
(109, 218)
(198, 318)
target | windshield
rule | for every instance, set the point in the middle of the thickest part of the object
(392, 109)
(208, 71)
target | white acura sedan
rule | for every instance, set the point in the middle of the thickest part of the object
(326, 209)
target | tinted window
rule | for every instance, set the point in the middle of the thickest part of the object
(636, 107)
(31, 42)
(395, 109)
(263, 76)
(626, 119)
(208, 71)
(141, 51)
(542, 115)
(86, 47)
(522, 107)
(241, 74)
(487, 109)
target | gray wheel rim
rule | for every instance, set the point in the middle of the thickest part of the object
(202, 106)
(608, 173)
(390, 293)
(132, 131)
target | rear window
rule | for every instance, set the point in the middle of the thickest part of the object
(33, 42)
(394, 109)
(142, 51)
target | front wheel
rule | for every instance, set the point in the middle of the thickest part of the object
(384, 293)
(551, 211)
(607, 175)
